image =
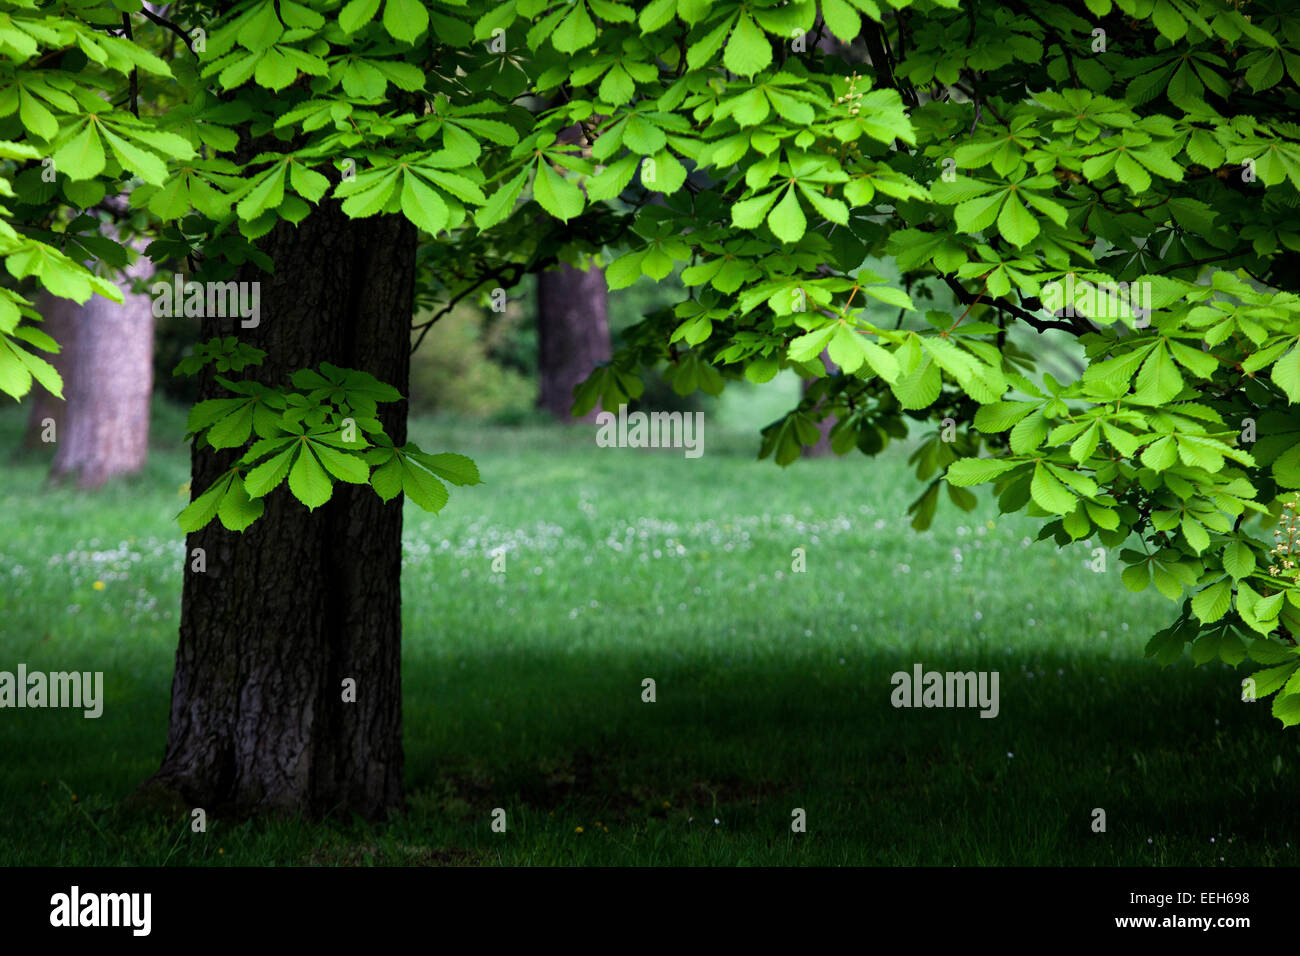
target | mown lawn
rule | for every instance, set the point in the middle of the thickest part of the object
(523, 689)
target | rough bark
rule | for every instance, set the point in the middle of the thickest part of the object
(301, 600)
(572, 332)
(102, 425)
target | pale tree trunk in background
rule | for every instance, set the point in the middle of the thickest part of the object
(572, 334)
(572, 322)
(102, 426)
(826, 44)
(823, 446)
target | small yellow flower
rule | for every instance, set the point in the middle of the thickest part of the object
(98, 585)
(667, 804)
(74, 798)
(577, 829)
(221, 851)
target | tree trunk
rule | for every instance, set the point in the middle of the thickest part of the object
(102, 426)
(301, 601)
(823, 446)
(572, 333)
(58, 322)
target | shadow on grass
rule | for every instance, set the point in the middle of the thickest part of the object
(560, 743)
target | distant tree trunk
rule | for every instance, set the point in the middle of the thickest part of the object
(572, 321)
(572, 334)
(302, 600)
(46, 420)
(826, 43)
(102, 425)
(823, 446)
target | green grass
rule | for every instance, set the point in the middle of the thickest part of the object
(523, 690)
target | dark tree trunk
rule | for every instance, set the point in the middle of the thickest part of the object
(572, 332)
(301, 601)
(102, 426)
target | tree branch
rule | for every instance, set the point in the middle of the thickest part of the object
(164, 22)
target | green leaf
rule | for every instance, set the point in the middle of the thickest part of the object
(141, 162)
(237, 511)
(1017, 223)
(973, 471)
(787, 220)
(748, 50)
(307, 479)
(556, 194)
(267, 193)
(748, 213)
(456, 469)
(267, 476)
(234, 429)
(573, 33)
(920, 387)
(976, 215)
(1049, 493)
(1137, 577)
(357, 14)
(387, 479)
(502, 202)
(203, 508)
(1238, 559)
(342, 465)
(82, 156)
(1212, 603)
(1160, 454)
(1159, 379)
(643, 137)
(1272, 678)
(1287, 709)
(1286, 374)
(1165, 646)
(1195, 534)
(844, 349)
(422, 204)
(405, 20)
(842, 19)
(423, 488)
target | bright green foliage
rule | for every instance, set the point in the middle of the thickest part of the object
(1024, 159)
(322, 430)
